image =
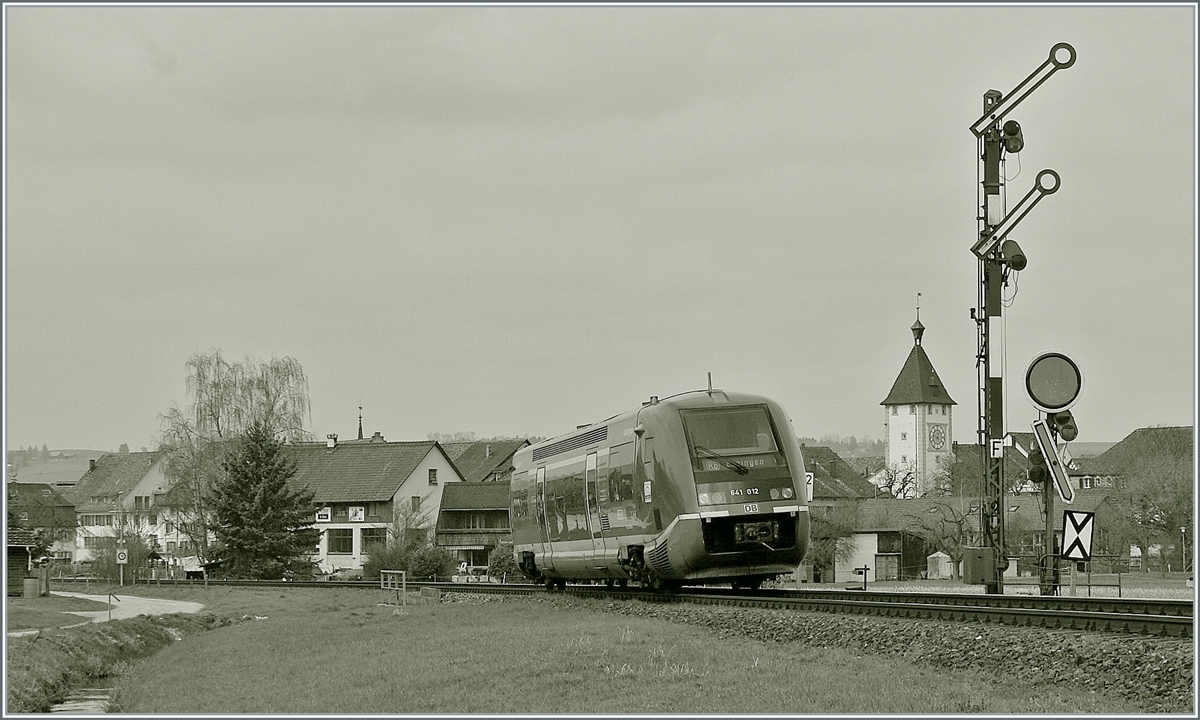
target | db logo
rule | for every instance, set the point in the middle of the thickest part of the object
(122, 557)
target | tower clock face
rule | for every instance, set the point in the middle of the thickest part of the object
(937, 437)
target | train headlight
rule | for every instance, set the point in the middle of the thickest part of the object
(787, 493)
(774, 493)
(718, 497)
(704, 499)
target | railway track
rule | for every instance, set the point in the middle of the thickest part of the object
(1141, 616)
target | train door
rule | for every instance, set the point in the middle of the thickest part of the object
(546, 554)
(644, 492)
(592, 492)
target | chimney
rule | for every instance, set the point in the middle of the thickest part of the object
(377, 437)
(91, 464)
(487, 451)
(331, 440)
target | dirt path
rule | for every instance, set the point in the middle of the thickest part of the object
(127, 606)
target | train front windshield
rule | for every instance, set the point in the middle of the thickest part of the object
(734, 439)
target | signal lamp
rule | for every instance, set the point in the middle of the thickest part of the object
(1014, 257)
(1038, 472)
(1064, 422)
(787, 493)
(1011, 136)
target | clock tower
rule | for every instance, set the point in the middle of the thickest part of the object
(918, 418)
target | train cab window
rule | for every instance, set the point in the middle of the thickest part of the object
(716, 435)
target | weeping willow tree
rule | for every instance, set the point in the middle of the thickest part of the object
(227, 399)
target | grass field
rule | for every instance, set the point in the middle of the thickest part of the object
(308, 650)
(337, 651)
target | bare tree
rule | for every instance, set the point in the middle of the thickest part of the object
(829, 535)
(900, 480)
(227, 399)
(949, 524)
(410, 526)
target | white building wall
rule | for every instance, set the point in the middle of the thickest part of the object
(416, 484)
(865, 546)
(153, 482)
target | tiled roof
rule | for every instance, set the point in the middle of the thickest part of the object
(1142, 444)
(833, 477)
(474, 460)
(918, 383)
(357, 472)
(19, 537)
(36, 495)
(114, 473)
(475, 496)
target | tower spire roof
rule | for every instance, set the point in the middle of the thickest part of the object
(918, 382)
(918, 329)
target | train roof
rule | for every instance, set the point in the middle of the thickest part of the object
(676, 399)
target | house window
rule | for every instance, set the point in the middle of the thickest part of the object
(895, 410)
(373, 509)
(170, 547)
(912, 409)
(141, 502)
(341, 541)
(373, 536)
(341, 513)
(433, 476)
(416, 504)
(1087, 483)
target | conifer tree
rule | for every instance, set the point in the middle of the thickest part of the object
(263, 524)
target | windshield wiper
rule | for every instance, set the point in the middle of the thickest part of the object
(733, 465)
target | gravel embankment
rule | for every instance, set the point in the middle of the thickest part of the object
(1157, 673)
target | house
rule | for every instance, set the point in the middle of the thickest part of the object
(834, 479)
(367, 491)
(473, 519)
(44, 509)
(965, 468)
(894, 538)
(484, 460)
(1153, 447)
(20, 543)
(837, 490)
(121, 496)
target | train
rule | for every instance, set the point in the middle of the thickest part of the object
(706, 487)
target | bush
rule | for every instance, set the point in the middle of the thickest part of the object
(385, 557)
(501, 562)
(430, 561)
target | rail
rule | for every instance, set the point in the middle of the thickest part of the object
(1127, 615)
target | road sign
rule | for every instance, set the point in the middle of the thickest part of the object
(1054, 463)
(1077, 534)
(122, 556)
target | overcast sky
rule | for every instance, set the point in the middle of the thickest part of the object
(514, 220)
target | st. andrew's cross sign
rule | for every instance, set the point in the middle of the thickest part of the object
(1077, 535)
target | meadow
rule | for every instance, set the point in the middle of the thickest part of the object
(313, 651)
